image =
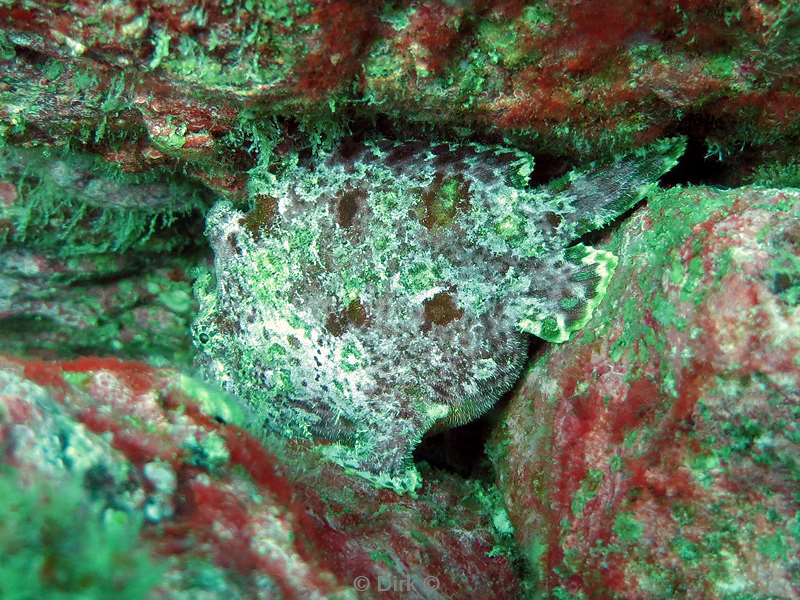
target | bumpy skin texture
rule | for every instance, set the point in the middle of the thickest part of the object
(389, 289)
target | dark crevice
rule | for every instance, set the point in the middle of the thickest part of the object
(548, 168)
(599, 236)
(30, 55)
(459, 450)
(699, 165)
(696, 167)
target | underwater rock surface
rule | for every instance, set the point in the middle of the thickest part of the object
(176, 501)
(367, 306)
(148, 82)
(656, 454)
(94, 260)
(388, 289)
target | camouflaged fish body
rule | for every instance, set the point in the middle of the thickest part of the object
(390, 289)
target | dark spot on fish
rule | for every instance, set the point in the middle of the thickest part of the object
(443, 200)
(505, 157)
(335, 324)
(350, 148)
(347, 205)
(261, 216)
(355, 314)
(232, 241)
(446, 156)
(400, 154)
(226, 326)
(440, 310)
(553, 219)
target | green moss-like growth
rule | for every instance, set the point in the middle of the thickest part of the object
(57, 545)
(70, 204)
(145, 316)
(82, 249)
(778, 174)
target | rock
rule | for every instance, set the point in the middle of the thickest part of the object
(87, 258)
(574, 78)
(587, 77)
(70, 204)
(159, 470)
(656, 454)
(102, 303)
(56, 545)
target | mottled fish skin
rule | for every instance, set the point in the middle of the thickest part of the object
(390, 288)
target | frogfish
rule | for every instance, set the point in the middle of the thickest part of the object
(389, 289)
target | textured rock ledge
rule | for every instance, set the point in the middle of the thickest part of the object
(657, 453)
(145, 83)
(94, 260)
(168, 498)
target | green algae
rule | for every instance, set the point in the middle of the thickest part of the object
(627, 529)
(213, 402)
(236, 62)
(57, 544)
(588, 490)
(71, 204)
(140, 324)
(674, 213)
(783, 273)
(492, 505)
(161, 46)
(777, 174)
